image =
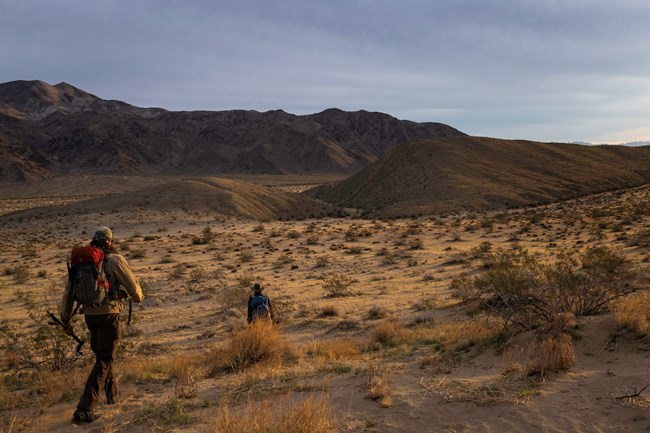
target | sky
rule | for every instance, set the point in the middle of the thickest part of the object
(545, 70)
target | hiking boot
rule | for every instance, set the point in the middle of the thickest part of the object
(81, 415)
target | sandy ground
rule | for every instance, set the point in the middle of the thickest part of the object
(400, 269)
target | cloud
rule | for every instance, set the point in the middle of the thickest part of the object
(538, 69)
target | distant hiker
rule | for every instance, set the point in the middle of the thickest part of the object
(259, 305)
(100, 281)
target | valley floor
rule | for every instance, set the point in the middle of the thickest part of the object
(368, 327)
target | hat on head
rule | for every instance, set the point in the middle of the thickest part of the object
(103, 234)
(257, 288)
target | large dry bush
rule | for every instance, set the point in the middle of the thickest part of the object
(261, 342)
(530, 293)
(311, 415)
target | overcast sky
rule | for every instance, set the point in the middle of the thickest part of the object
(548, 70)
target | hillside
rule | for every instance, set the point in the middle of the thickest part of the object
(47, 130)
(473, 173)
(202, 194)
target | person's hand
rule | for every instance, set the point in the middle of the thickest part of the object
(67, 328)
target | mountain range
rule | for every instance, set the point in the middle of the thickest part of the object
(47, 130)
(393, 167)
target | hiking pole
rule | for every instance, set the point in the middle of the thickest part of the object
(56, 321)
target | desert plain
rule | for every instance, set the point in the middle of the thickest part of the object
(370, 335)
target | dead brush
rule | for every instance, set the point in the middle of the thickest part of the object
(551, 355)
(311, 415)
(378, 388)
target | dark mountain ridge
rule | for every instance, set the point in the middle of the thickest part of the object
(47, 130)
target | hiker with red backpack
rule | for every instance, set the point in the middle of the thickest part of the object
(259, 305)
(100, 280)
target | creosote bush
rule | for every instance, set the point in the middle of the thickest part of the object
(44, 347)
(528, 293)
(338, 285)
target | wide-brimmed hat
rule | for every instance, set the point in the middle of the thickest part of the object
(257, 288)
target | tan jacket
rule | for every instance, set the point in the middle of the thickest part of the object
(119, 276)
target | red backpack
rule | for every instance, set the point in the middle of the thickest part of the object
(88, 281)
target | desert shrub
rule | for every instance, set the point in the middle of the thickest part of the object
(21, 274)
(641, 238)
(551, 355)
(415, 244)
(322, 261)
(312, 240)
(44, 347)
(355, 250)
(329, 311)
(198, 274)
(293, 234)
(258, 343)
(246, 280)
(375, 313)
(338, 285)
(284, 259)
(207, 236)
(234, 297)
(311, 415)
(246, 256)
(528, 293)
(258, 228)
(177, 272)
(138, 253)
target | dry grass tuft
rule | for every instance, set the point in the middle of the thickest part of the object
(389, 333)
(312, 415)
(258, 343)
(147, 370)
(333, 349)
(378, 388)
(186, 374)
(633, 312)
(551, 355)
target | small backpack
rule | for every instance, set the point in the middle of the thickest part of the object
(88, 281)
(260, 307)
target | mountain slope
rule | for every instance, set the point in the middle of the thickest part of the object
(441, 175)
(76, 132)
